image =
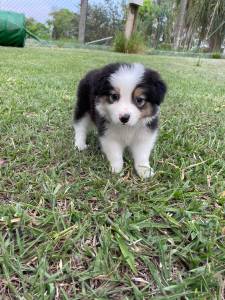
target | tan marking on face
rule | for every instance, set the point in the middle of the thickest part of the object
(103, 99)
(146, 110)
(138, 92)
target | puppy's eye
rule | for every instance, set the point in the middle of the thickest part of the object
(114, 97)
(140, 101)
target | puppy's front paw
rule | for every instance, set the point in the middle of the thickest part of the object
(144, 171)
(117, 167)
(80, 146)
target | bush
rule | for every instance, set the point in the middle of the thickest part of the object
(119, 43)
(216, 55)
(136, 43)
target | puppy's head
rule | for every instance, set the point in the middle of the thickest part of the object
(128, 93)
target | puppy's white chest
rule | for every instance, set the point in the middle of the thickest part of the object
(123, 134)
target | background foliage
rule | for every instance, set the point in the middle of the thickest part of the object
(164, 24)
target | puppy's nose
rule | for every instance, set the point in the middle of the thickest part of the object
(124, 118)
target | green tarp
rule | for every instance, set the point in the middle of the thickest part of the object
(12, 29)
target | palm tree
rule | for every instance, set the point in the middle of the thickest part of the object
(207, 19)
(216, 32)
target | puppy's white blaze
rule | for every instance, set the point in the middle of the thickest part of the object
(127, 77)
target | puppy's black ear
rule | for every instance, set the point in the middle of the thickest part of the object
(101, 82)
(160, 91)
(156, 88)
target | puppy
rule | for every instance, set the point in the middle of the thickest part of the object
(122, 100)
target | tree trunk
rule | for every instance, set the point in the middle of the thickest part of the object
(202, 35)
(82, 22)
(215, 42)
(131, 20)
(189, 37)
(157, 34)
(158, 29)
(180, 24)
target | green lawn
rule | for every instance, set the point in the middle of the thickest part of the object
(71, 230)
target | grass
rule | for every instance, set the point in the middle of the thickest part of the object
(71, 230)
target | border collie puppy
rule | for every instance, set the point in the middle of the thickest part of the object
(122, 100)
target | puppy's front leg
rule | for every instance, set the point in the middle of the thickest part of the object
(114, 152)
(141, 149)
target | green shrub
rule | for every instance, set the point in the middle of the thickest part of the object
(216, 55)
(119, 43)
(135, 44)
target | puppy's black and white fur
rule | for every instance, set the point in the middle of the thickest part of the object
(123, 101)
